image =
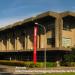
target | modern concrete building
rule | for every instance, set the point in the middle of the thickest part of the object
(16, 41)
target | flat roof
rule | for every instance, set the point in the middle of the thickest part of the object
(45, 14)
(67, 13)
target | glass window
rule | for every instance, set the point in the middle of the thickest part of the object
(66, 42)
(67, 26)
(51, 41)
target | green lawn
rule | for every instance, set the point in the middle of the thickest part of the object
(59, 74)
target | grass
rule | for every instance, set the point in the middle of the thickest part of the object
(58, 74)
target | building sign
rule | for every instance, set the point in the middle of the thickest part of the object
(66, 42)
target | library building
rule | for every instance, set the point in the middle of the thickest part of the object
(55, 37)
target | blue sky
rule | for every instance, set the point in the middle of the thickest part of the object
(15, 10)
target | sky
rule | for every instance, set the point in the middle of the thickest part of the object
(12, 11)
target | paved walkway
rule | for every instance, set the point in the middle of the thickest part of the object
(23, 70)
(48, 70)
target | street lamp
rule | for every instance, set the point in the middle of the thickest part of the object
(45, 40)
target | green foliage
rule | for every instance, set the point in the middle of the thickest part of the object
(13, 63)
(27, 64)
(69, 59)
(51, 64)
(38, 65)
(66, 73)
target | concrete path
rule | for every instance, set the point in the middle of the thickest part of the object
(23, 70)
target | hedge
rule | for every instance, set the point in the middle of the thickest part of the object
(68, 64)
(27, 64)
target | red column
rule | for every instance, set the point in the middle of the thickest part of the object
(35, 45)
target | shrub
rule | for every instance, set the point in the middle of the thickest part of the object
(51, 64)
(73, 64)
(38, 65)
(13, 63)
(68, 59)
(27, 64)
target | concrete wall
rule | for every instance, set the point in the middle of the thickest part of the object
(54, 30)
(70, 33)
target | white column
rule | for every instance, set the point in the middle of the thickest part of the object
(25, 41)
(15, 41)
(57, 32)
(60, 32)
(0, 44)
(8, 44)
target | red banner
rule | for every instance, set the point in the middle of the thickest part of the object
(35, 45)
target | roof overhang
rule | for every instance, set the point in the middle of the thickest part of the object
(64, 14)
(43, 15)
(52, 14)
